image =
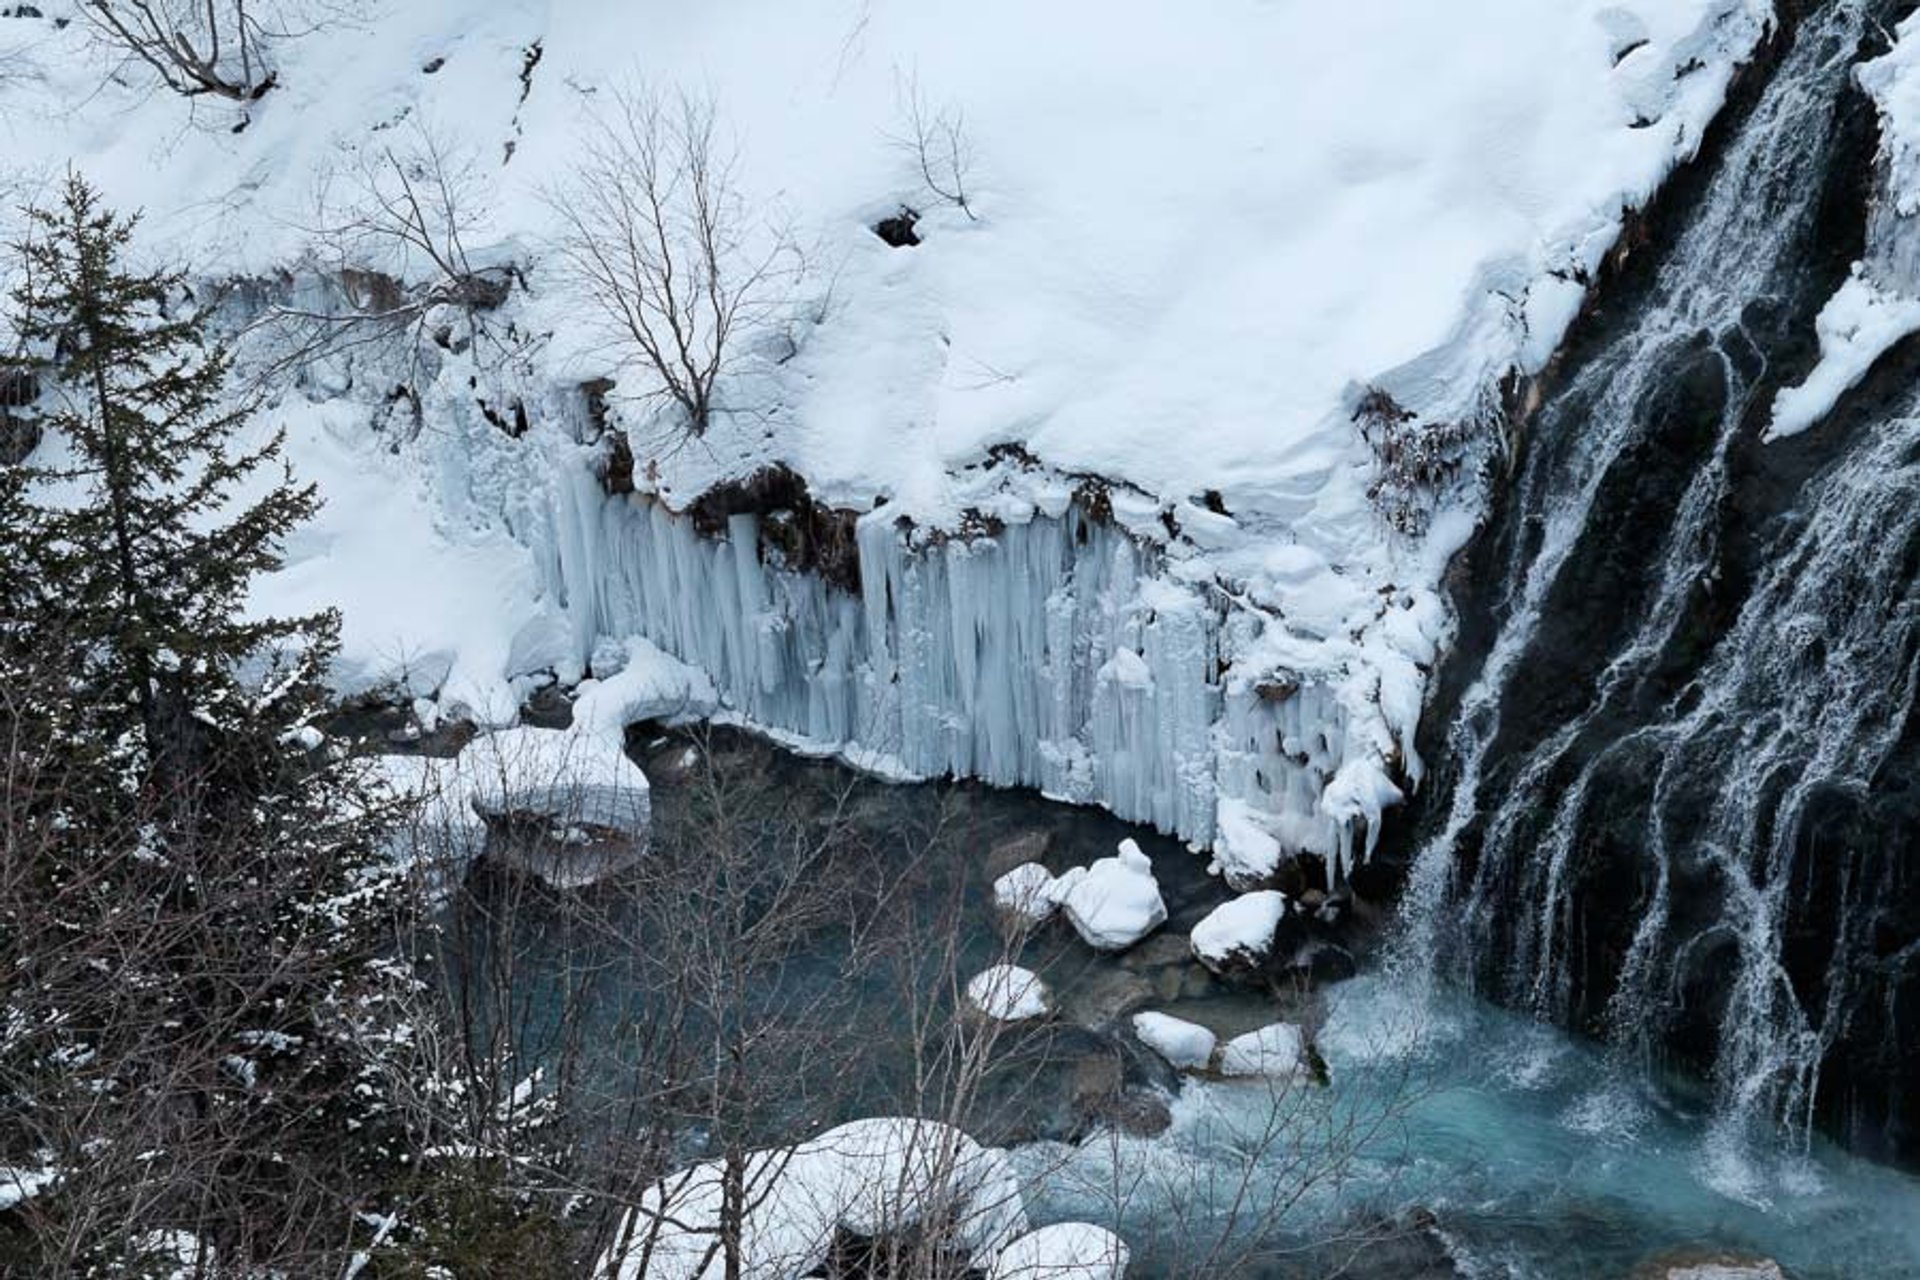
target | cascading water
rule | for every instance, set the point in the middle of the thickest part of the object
(1689, 664)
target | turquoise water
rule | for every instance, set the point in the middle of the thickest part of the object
(1533, 1155)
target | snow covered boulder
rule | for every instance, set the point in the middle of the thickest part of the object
(869, 1178)
(1186, 1045)
(1276, 1051)
(573, 805)
(1115, 902)
(1025, 894)
(1008, 993)
(1064, 1251)
(1237, 936)
(567, 777)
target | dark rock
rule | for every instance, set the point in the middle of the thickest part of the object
(1028, 846)
(898, 230)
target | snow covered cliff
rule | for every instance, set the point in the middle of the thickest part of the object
(1094, 447)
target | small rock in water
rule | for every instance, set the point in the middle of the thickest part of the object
(1008, 993)
(1028, 846)
(1186, 1045)
(1064, 1251)
(1115, 902)
(1104, 996)
(1025, 893)
(1697, 1265)
(1276, 1050)
(1237, 936)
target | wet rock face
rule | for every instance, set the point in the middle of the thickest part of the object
(1686, 745)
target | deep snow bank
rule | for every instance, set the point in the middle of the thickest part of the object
(1199, 241)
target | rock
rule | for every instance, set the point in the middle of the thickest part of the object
(1277, 1050)
(1136, 1113)
(1237, 936)
(1186, 1045)
(1025, 894)
(1064, 1251)
(1105, 996)
(1692, 1264)
(1162, 950)
(1324, 962)
(1115, 902)
(1008, 993)
(1301, 873)
(1028, 846)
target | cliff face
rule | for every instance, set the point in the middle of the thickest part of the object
(1674, 811)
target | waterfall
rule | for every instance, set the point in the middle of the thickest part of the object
(1694, 657)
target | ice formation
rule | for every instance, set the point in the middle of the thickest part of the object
(1008, 993)
(1186, 1045)
(1114, 537)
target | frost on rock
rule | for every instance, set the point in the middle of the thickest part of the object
(1879, 303)
(1113, 903)
(1277, 1050)
(1186, 1045)
(1238, 934)
(1008, 993)
(1026, 893)
(870, 1178)
(1064, 1251)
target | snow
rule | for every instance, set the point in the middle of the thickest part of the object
(1008, 993)
(870, 1177)
(22, 1184)
(1239, 931)
(1277, 1050)
(1064, 1251)
(558, 774)
(568, 777)
(1856, 327)
(647, 685)
(1198, 239)
(1026, 893)
(1879, 303)
(1113, 903)
(1186, 1045)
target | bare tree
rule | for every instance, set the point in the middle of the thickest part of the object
(936, 140)
(659, 240)
(198, 47)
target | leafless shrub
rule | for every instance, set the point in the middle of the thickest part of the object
(391, 238)
(936, 140)
(659, 240)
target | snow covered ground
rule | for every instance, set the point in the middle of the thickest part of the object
(1194, 243)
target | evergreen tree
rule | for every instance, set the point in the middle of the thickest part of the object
(196, 949)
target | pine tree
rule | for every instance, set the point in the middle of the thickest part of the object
(197, 942)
